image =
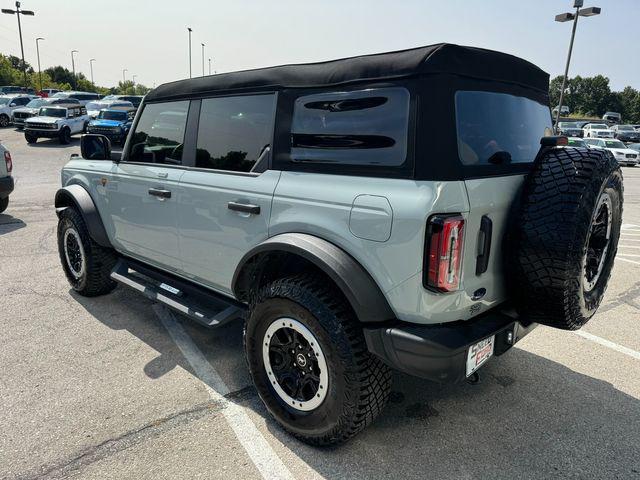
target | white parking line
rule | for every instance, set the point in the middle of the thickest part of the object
(262, 455)
(607, 343)
(627, 260)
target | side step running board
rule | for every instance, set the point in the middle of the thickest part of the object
(205, 307)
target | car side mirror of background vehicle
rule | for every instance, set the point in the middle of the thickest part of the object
(95, 147)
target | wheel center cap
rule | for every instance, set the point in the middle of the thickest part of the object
(301, 360)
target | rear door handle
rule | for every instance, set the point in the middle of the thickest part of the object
(244, 207)
(158, 192)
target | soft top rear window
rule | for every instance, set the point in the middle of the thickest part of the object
(499, 128)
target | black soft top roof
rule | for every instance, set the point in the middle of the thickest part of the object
(439, 58)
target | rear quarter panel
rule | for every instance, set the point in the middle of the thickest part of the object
(321, 205)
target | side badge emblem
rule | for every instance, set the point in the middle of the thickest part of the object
(103, 181)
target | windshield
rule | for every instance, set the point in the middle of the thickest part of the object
(109, 115)
(614, 144)
(567, 125)
(497, 128)
(52, 112)
(37, 103)
(626, 128)
(599, 126)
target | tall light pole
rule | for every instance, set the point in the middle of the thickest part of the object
(189, 28)
(73, 66)
(202, 59)
(209, 66)
(38, 53)
(19, 12)
(566, 17)
(134, 83)
(91, 67)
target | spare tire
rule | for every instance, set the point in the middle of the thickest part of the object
(566, 235)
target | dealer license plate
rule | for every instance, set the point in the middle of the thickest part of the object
(479, 353)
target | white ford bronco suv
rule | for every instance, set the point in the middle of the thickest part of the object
(405, 210)
(56, 121)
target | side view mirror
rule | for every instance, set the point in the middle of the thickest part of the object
(95, 147)
(13, 104)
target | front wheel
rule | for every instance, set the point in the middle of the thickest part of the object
(4, 121)
(86, 264)
(65, 136)
(30, 138)
(309, 361)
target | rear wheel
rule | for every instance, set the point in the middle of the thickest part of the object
(4, 203)
(86, 264)
(65, 136)
(567, 235)
(309, 361)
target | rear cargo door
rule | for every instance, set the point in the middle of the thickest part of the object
(498, 139)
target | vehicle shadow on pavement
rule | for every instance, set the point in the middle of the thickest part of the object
(9, 223)
(54, 143)
(529, 417)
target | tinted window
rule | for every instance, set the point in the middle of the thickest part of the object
(497, 128)
(159, 135)
(234, 131)
(365, 127)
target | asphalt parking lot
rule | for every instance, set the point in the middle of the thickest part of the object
(115, 387)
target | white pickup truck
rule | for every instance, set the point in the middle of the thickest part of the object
(56, 122)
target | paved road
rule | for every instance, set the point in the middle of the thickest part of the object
(112, 388)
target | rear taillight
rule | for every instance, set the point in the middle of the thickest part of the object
(443, 252)
(7, 160)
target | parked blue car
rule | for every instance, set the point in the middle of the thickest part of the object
(114, 124)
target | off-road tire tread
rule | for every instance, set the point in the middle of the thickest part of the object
(99, 260)
(553, 219)
(367, 375)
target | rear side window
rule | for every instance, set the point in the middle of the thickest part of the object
(159, 134)
(364, 127)
(498, 128)
(233, 132)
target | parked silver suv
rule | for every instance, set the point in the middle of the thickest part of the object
(392, 210)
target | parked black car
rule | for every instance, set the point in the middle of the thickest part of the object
(626, 133)
(570, 129)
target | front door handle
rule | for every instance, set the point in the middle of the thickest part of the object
(244, 207)
(158, 192)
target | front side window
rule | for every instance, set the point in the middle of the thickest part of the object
(364, 127)
(234, 132)
(159, 135)
(498, 128)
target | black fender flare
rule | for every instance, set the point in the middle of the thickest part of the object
(357, 285)
(76, 196)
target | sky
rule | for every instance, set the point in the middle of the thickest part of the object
(150, 39)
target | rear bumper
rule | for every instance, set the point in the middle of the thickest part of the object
(439, 352)
(6, 186)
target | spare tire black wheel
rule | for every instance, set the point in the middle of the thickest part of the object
(566, 236)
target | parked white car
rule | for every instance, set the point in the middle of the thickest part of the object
(20, 115)
(6, 180)
(56, 121)
(8, 103)
(93, 108)
(597, 130)
(82, 97)
(624, 155)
